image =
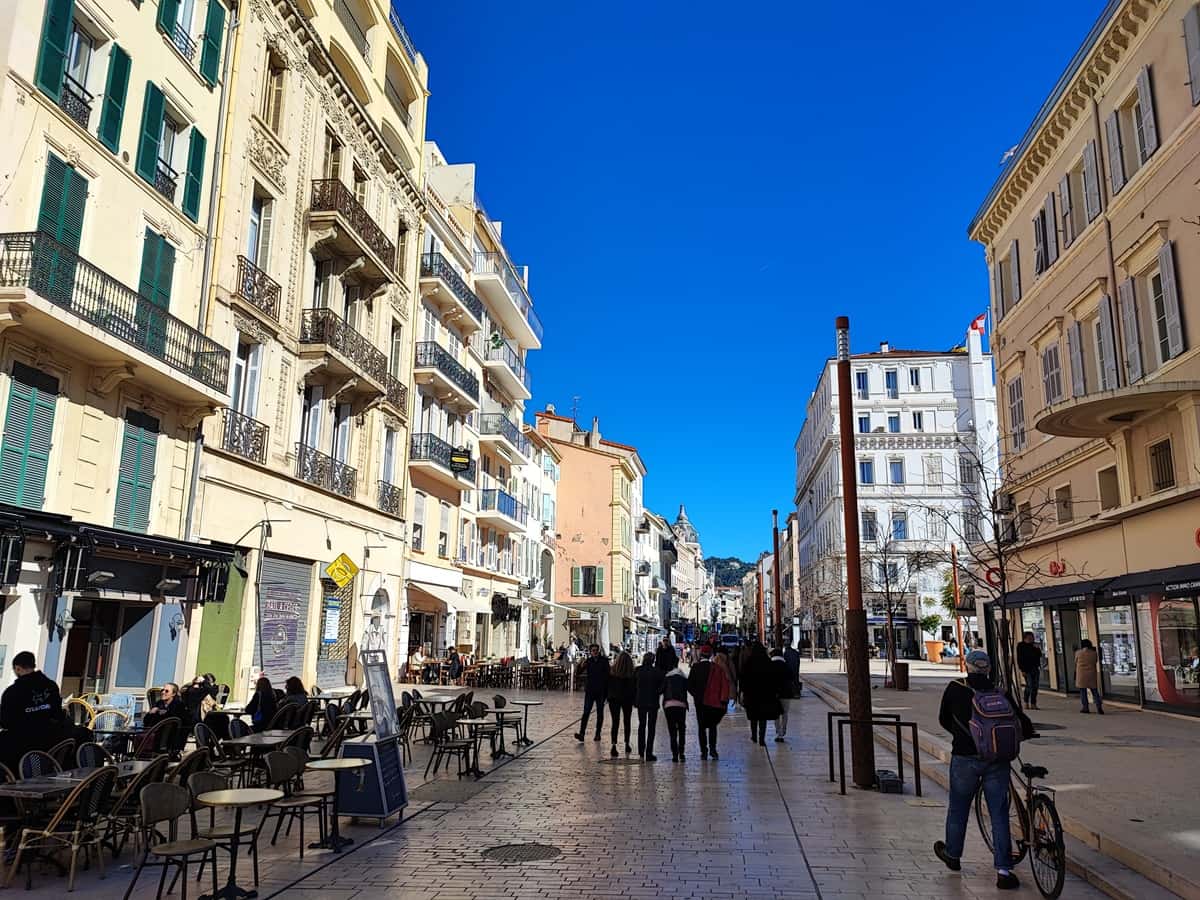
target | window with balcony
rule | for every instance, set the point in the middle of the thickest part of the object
(864, 424)
(258, 232)
(331, 164)
(396, 350)
(1064, 511)
(1131, 133)
(361, 186)
(891, 383)
(272, 101)
(866, 471)
(244, 378)
(862, 385)
(1052, 383)
(1162, 466)
(896, 471)
(342, 420)
(894, 423)
(1016, 412)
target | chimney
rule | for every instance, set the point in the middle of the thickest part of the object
(594, 437)
(550, 408)
(884, 347)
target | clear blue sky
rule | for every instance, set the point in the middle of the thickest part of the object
(699, 188)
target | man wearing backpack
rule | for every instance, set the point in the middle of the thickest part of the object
(986, 727)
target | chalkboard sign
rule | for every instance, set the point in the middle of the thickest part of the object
(377, 791)
(383, 701)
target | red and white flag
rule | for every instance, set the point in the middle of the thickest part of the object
(978, 323)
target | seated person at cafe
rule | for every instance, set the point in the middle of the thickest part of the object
(31, 712)
(293, 692)
(170, 706)
(416, 662)
(263, 705)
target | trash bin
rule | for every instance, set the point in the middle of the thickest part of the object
(900, 676)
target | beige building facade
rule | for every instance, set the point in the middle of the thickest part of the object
(1094, 254)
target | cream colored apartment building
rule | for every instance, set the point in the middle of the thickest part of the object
(1091, 239)
(108, 362)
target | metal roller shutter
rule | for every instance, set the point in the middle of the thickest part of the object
(283, 606)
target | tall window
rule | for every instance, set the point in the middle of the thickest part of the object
(1162, 466)
(967, 474)
(272, 103)
(396, 349)
(135, 480)
(28, 430)
(870, 530)
(444, 531)
(891, 383)
(418, 524)
(864, 424)
(1052, 387)
(332, 162)
(918, 419)
(244, 379)
(390, 441)
(360, 186)
(866, 471)
(862, 386)
(896, 470)
(1016, 412)
(258, 237)
(914, 379)
(894, 423)
(899, 526)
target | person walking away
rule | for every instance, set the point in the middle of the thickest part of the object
(1029, 661)
(675, 707)
(986, 729)
(792, 657)
(622, 690)
(710, 688)
(665, 657)
(784, 690)
(263, 705)
(595, 690)
(758, 694)
(649, 689)
(1087, 675)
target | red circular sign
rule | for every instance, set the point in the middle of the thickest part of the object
(993, 577)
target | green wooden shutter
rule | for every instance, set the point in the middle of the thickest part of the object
(599, 581)
(153, 110)
(154, 285)
(53, 189)
(576, 581)
(28, 428)
(52, 55)
(194, 178)
(135, 481)
(149, 275)
(214, 31)
(168, 13)
(64, 198)
(112, 110)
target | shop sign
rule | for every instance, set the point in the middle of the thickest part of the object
(460, 459)
(1057, 568)
(341, 571)
(333, 620)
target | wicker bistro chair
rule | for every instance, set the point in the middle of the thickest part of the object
(160, 739)
(447, 743)
(283, 774)
(125, 813)
(79, 711)
(161, 806)
(202, 783)
(90, 755)
(37, 763)
(74, 826)
(64, 753)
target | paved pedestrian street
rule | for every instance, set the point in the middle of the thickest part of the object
(758, 823)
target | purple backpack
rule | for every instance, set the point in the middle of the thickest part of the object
(994, 727)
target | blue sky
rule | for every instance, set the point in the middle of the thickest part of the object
(699, 188)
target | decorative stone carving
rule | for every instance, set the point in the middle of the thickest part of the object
(295, 276)
(71, 151)
(105, 380)
(191, 416)
(252, 327)
(10, 316)
(264, 153)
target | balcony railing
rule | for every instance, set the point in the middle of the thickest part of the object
(43, 265)
(396, 393)
(434, 356)
(498, 423)
(330, 195)
(506, 355)
(324, 471)
(402, 34)
(496, 264)
(427, 447)
(183, 41)
(504, 503)
(245, 436)
(324, 326)
(357, 34)
(391, 499)
(399, 104)
(258, 288)
(75, 101)
(434, 265)
(166, 180)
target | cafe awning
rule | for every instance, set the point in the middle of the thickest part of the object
(433, 597)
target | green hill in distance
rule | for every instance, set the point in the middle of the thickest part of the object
(729, 570)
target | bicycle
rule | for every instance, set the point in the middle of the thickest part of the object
(1034, 826)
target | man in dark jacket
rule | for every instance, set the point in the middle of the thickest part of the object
(707, 717)
(31, 712)
(649, 680)
(1029, 661)
(665, 657)
(595, 690)
(792, 657)
(968, 771)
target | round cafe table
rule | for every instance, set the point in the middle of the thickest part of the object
(236, 799)
(476, 735)
(524, 740)
(333, 839)
(501, 715)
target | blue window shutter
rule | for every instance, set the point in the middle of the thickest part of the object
(52, 55)
(153, 110)
(214, 32)
(28, 429)
(135, 480)
(112, 112)
(194, 178)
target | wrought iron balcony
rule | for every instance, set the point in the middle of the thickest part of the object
(391, 499)
(399, 104)
(504, 503)
(324, 471)
(36, 261)
(330, 195)
(258, 288)
(505, 354)
(434, 356)
(395, 393)
(357, 34)
(183, 41)
(402, 34)
(427, 447)
(245, 436)
(75, 101)
(166, 180)
(324, 326)
(496, 264)
(435, 265)
(500, 424)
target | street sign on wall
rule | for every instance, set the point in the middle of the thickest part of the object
(341, 571)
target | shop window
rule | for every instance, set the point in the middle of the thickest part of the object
(1170, 645)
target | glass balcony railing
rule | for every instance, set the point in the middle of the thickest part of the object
(505, 354)
(434, 356)
(496, 264)
(498, 423)
(435, 265)
(504, 503)
(36, 261)
(427, 447)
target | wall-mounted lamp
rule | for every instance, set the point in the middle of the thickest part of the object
(167, 584)
(98, 578)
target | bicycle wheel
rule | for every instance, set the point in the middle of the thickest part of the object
(1018, 818)
(1048, 856)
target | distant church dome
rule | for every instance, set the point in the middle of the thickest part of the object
(684, 529)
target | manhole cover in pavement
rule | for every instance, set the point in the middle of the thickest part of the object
(447, 791)
(521, 853)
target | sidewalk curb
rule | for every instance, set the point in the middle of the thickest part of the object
(1108, 865)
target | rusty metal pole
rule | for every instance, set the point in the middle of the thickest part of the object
(858, 672)
(962, 652)
(762, 611)
(778, 637)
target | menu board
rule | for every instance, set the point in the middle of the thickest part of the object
(383, 701)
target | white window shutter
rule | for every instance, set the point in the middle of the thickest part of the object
(1091, 181)
(1051, 228)
(1014, 264)
(1075, 351)
(1116, 162)
(1064, 203)
(1191, 40)
(1146, 102)
(1127, 300)
(1166, 265)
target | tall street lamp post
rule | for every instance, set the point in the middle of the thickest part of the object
(858, 673)
(778, 637)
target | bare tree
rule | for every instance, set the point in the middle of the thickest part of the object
(892, 568)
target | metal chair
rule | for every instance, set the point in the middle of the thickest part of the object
(161, 805)
(196, 761)
(282, 718)
(64, 753)
(499, 702)
(283, 773)
(225, 764)
(37, 763)
(446, 743)
(202, 783)
(125, 812)
(158, 740)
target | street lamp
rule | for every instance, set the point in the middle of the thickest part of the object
(858, 673)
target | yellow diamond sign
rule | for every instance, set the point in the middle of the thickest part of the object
(342, 570)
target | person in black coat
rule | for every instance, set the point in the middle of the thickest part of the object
(707, 717)
(1029, 661)
(595, 690)
(785, 690)
(622, 690)
(263, 705)
(31, 712)
(649, 680)
(170, 706)
(759, 695)
(665, 657)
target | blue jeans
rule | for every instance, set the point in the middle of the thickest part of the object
(1083, 692)
(966, 773)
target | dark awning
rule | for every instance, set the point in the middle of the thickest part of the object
(1175, 581)
(1056, 594)
(167, 549)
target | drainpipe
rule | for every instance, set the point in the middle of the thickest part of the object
(232, 31)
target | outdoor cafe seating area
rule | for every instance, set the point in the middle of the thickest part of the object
(497, 673)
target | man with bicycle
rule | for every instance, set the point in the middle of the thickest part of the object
(986, 727)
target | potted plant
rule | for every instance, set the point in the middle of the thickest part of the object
(933, 649)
